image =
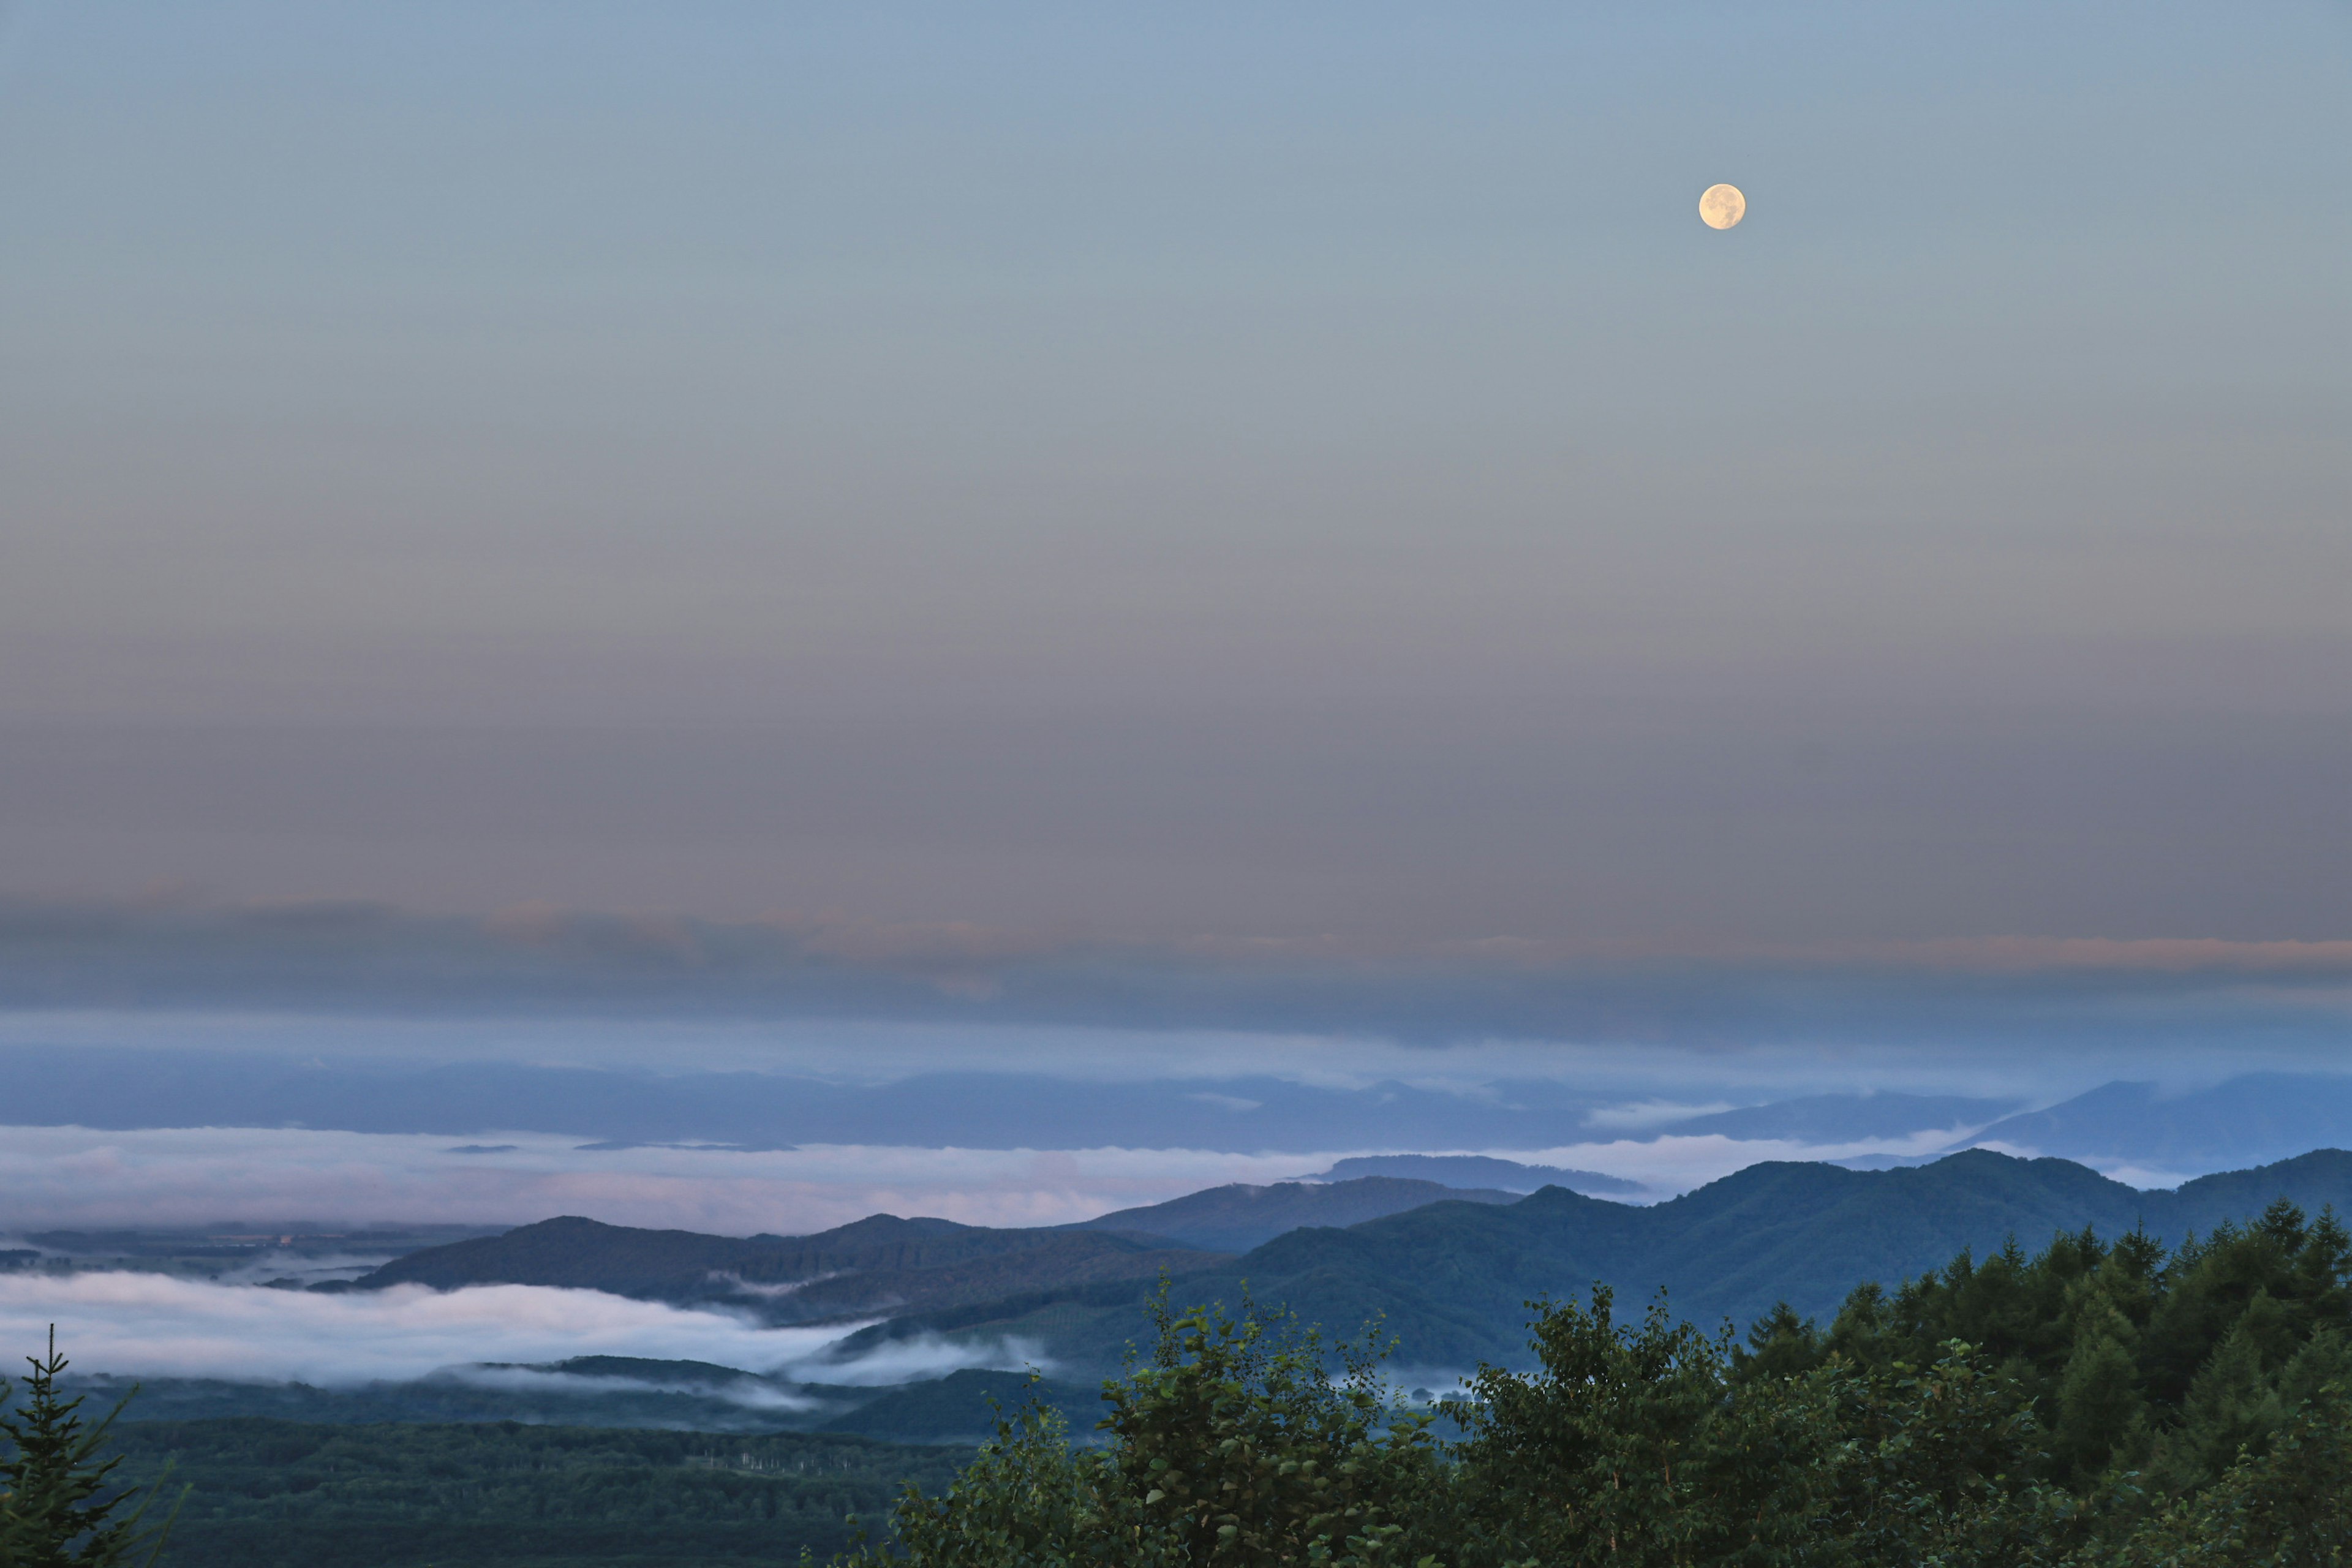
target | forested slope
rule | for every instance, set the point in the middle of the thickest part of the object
(277, 1494)
(1450, 1280)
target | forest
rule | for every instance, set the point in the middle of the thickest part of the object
(2099, 1402)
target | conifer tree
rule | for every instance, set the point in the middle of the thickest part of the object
(2098, 1397)
(59, 1507)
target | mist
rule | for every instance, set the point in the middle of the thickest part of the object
(135, 1324)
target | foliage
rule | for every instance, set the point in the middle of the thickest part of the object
(60, 1503)
(1235, 1443)
(1631, 1446)
(283, 1494)
(2096, 1405)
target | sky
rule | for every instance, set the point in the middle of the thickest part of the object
(1181, 544)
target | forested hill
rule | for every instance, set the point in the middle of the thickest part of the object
(1450, 1277)
(1238, 1217)
(1451, 1280)
(885, 1263)
(881, 1263)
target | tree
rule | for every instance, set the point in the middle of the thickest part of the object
(58, 1506)
(1233, 1446)
(2289, 1506)
(1630, 1448)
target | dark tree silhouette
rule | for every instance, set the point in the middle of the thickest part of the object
(59, 1506)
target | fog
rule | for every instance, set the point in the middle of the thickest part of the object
(153, 1324)
(59, 1177)
(63, 1177)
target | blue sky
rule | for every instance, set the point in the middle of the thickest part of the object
(1156, 520)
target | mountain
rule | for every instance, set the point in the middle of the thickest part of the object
(133, 1087)
(1237, 1217)
(2246, 1119)
(881, 1263)
(1450, 1280)
(887, 1264)
(1839, 1118)
(1474, 1172)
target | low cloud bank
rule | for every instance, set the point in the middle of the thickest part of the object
(66, 1177)
(71, 1177)
(748, 1392)
(154, 1325)
(158, 1325)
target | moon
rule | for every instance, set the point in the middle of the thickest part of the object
(1721, 206)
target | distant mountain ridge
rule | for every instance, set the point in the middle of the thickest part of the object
(1818, 1118)
(884, 1264)
(1238, 1217)
(878, 1264)
(1450, 1278)
(2240, 1119)
(1476, 1171)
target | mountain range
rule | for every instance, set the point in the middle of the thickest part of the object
(1449, 1277)
(1474, 1172)
(2246, 1121)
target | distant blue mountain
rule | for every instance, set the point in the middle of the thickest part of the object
(2250, 1120)
(1473, 1171)
(1238, 1217)
(1841, 1118)
(124, 1088)
(1453, 1280)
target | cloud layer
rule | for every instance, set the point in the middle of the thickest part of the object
(59, 1177)
(158, 1325)
(64, 1177)
(544, 961)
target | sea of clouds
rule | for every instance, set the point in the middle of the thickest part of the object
(62, 1177)
(157, 1325)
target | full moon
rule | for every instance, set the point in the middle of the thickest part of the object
(1720, 206)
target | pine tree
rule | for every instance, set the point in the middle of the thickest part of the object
(59, 1506)
(2230, 1406)
(2098, 1397)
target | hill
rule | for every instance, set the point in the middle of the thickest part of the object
(884, 1263)
(1238, 1217)
(877, 1264)
(2239, 1121)
(1451, 1279)
(1474, 1170)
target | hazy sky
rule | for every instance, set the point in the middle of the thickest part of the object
(1156, 474)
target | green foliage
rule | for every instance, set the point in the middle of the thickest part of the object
(1631, 1446)
(2288, 1505)
(60, 1503)
(1233, 1444)
(283, 1494)
(2023, 1412)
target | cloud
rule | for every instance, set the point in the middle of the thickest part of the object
(69, 1177)
(918, 1356)
(1652, 1113)
(369, 957)
(751, 1394)
(160, 1325)
(63, 1177)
